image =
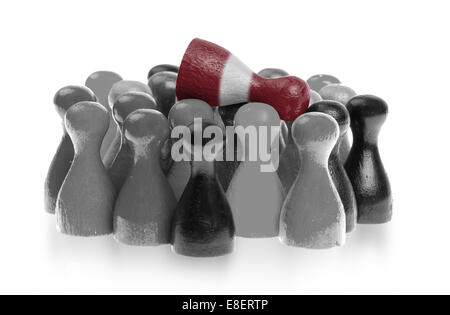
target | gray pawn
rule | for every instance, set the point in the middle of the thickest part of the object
(63, 100)
(273, 73)
(342, 94)
(125, 105)
(337, 171)
(163, 86)
(317, 82)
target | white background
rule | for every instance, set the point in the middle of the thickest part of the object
(398, 50)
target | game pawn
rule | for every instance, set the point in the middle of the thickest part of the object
(146, 203)
(125, 105)
(337, 171)
(256, 195)
(313, 215)
(203, 225)
(364, 166)
(85, 202)
(162, 68)
(63, 100)
(163, 85)
(317, 82)
(116, 91)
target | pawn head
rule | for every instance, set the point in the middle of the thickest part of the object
(129, 102)
(368, 113)
(314, 97)
(317, 82)
(316, 132)
(125, 86)
(101, 82)
(184, 112)
(337, 92)
(336, 110)
(273, 73)
(145, 126)
(163, 86)
(162, 68)
(70, 95)
(86, 121)
(257, 114)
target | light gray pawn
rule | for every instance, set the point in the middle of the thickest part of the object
(314, 97)
(85, 202)
(342, 94)
(273, 73)
(313, 215)
(146, 203)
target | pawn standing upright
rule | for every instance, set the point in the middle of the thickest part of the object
(145, 205)
(124, 106)
(85, 202)
(342, 94)
(116, 91)
(63, 100)
(100, 83)
(313, 215)
(203, 225)
(163, 85)
(364, 166)
(337, 171)
(256, 196)
(184, 113)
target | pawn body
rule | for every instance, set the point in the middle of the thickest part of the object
(289, 159)
(313, 215)
(255, 196)
(337, 171)
(364, 166)
(342, 94)
(60, 165)
(100, 83)
(85, 202)
(211, 73)
(203, 225)
(145, 205)
(116, 91)
(315, 97)
(163, 85)
(124, 106)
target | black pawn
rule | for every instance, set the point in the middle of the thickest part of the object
(163, 86)
(364, 166)
(162, 68)
(226, 169)
(337, 171)
(203, 224)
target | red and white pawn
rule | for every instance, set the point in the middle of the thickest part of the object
(214, 75)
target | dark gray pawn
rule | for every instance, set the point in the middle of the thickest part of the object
(63, 100)
(162, 68)
(163, 86)
(125, 105)
(337, 171)
(364, 166)
(319, 81)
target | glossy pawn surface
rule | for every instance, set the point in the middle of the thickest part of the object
(211, 73)
(317, 82)
(60, 165)
(125, 105)
(337, 171)
(364, 165)
(85, 202)
(342, 94)
(315, 97)
(162, 68)
(256, 196)
(116, 91)
(203, 225)
(273, 73)
(163, 86)
(313, 215)
(144, 208)
(184, 113)
(100, 83)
